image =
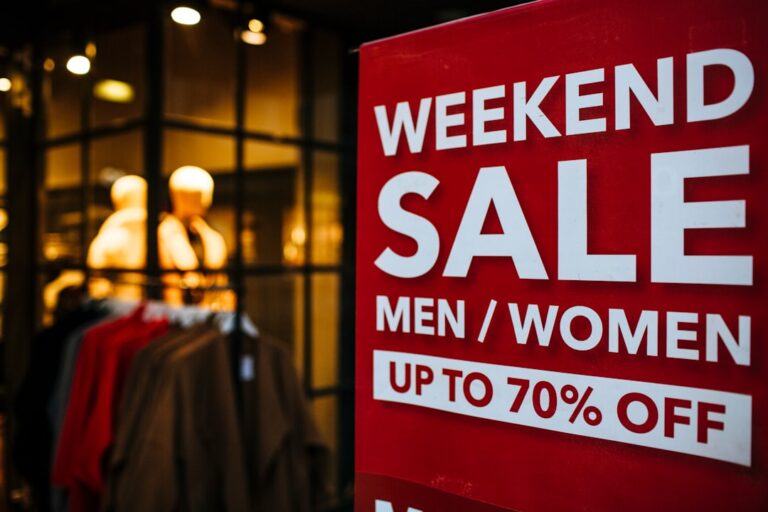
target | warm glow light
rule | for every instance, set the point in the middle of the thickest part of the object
(291, 253)
(79, 65)
(298, 235)
(254, 38)
(49, 64)
(185, 16)
(90, 50)
(5, 84)
(113, 90)
(255, 25)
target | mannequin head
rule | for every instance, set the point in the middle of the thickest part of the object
(191, 191)
(129, 192)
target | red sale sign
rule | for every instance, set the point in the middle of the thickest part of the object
(562, 249)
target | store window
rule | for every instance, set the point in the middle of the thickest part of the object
(273, 73)
(200, 72)
(118, 77)
(274, 158)
(274, 231)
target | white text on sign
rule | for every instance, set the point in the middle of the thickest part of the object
(702, 422)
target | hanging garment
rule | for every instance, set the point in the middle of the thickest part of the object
(32, 446)
(286, 457)
(113, 359)
(139, 392)
(182, 449)
(86, 430)
(57, 405)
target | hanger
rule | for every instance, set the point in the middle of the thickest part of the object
(226, 323)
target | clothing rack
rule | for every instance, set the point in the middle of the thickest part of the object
(159, 283)
(235, 323)
(84, 395)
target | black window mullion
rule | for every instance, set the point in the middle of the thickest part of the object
(86, 194)
(306, 124)
(238, 274)
(153, 144)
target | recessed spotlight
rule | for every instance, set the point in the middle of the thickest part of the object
(254, 38)
(255, 25)
(114, 91)
(79, 65)
(184, 15)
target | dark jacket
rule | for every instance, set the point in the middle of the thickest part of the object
(286, 457)
(185, 451)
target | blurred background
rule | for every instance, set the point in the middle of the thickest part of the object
(260, 94)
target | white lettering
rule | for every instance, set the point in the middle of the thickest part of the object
(647, 324)
(409, 224)
(493, 187)
(414, 134)
(671, 216)
(397, 320)
(574, 263)
(524, 110)
(575, 102)
(444, 120)
(659, 109)
(482, 115)
(744, 81)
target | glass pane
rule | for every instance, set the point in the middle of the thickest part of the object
(274, 225)
(326, 411)
(117, 285)
(216, 155)
(276, 305)
(326, 61)
(111, 159)
(118, 76)
(272, 80)
(62, 96)
(327, 232)
(325, 330)
(200, 70)
(58, 295)
(117, 155)
(62, 213)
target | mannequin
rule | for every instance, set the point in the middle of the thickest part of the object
(187, 243)
(121, 240)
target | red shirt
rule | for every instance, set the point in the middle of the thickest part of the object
(116, 357)
(89, 420)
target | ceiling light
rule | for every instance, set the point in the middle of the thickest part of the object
(254, 38)
(114, 91)
(185, 15)
(255, 25)
(79, 65)
(90, 50)
(5, 84)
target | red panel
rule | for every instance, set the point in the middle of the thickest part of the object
(511, 464)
